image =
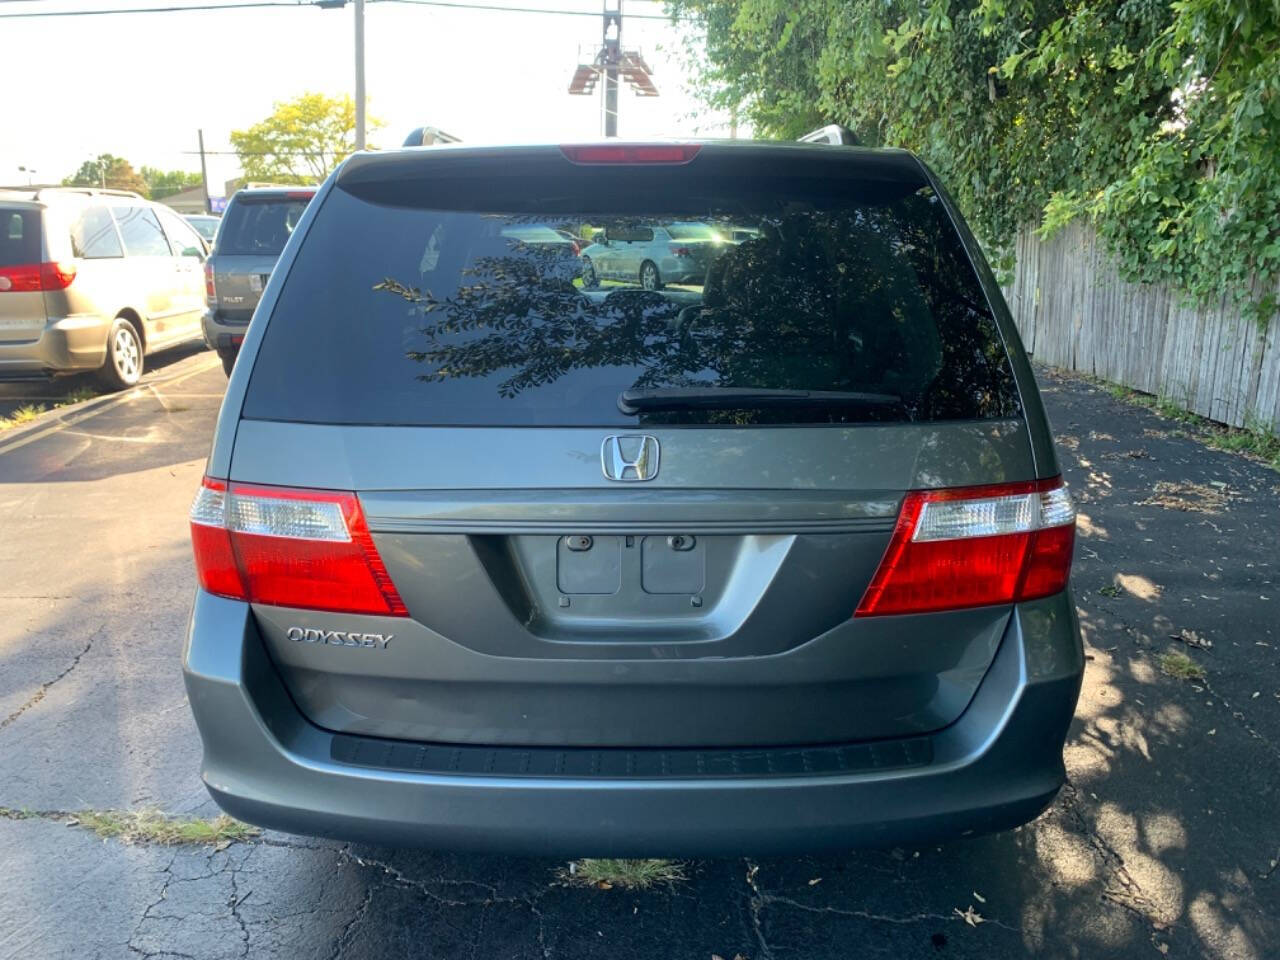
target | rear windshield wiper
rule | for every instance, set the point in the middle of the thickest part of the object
(746, 398)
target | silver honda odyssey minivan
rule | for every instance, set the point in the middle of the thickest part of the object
(769, 560)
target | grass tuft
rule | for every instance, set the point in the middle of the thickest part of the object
(1181, 667)
(145, 826)
(606, 874)
(24, 414)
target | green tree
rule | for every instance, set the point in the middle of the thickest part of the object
(165, 183)
(1158, 123)
(110, 172)
(302, 140)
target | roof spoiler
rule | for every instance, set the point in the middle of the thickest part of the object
(833, 134)
(428, 136)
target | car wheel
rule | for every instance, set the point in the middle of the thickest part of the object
(123, 368)
(228, 361)
(649, 278)
(589, 278)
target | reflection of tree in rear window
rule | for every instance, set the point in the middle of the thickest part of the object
(414, 315)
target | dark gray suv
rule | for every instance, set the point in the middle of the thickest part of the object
(776, 560)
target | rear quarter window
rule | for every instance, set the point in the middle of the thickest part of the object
(449, 307)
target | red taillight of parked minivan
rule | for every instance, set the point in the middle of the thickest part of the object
(36, 277)
(973, 547)
(289, 548)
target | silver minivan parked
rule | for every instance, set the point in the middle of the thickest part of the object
(94, 280)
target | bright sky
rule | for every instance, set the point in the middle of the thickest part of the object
(139, 86)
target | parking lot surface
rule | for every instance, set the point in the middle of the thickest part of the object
(1165, 841)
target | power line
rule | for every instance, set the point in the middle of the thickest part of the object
(28, 15)
(254, 4)
(499, 8)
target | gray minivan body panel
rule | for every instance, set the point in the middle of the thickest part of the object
(857, 681)
(872, 457)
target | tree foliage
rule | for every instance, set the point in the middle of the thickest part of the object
(1157, 122)
(165, 183)
(301, 141)
(109, 171)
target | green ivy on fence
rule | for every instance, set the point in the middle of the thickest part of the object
(1157, 122)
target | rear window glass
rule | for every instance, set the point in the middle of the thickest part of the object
(259, 227)
(19, 236)
(417, 309)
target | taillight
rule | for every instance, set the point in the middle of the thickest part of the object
(289, 548)
(973, 547)
(632, 153)
(36, 277)
(681, 252)
(210, 291)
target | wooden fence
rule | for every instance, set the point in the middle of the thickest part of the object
(1075, 312)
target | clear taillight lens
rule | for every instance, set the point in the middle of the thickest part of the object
(975, 546)
(290, 548)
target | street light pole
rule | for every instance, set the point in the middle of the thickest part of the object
(359, 74)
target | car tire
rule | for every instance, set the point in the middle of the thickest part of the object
(123, 366)
(649, 276)
(228, 359)
(589, 278)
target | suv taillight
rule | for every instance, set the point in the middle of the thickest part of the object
(37, 277)
(975, 546)
(289, 548)
(210, 291)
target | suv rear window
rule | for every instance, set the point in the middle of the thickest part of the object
(438, 303)
(259, 226)
(19, 236)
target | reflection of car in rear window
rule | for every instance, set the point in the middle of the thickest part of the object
(691, 231)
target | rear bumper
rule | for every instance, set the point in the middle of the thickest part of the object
(996, 767)
(65, 344)
(222, 334)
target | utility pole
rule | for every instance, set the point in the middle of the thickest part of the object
(359, 74)
(204, 173)
(611, 49)
(613, 65)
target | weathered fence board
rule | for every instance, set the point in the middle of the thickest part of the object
(1074, 311)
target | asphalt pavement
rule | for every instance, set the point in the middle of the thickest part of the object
(1165, 842)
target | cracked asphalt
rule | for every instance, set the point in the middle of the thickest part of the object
(1165, 841)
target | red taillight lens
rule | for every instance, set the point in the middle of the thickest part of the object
(289, 548)
(209, 290)
(973, 547)
(35, 277)
(632, 153)
(681, 252)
